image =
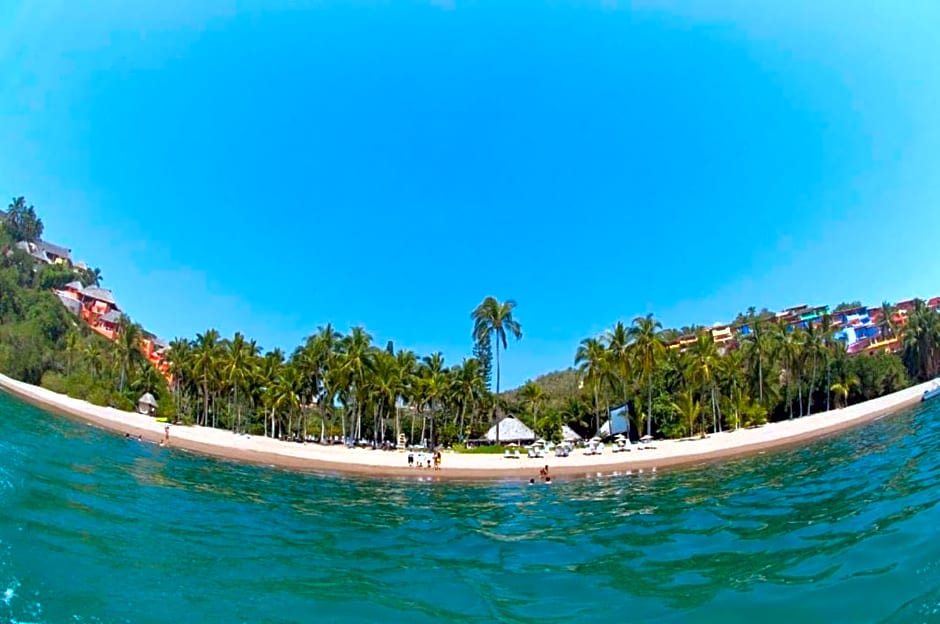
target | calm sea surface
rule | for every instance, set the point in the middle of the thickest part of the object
(96, 528)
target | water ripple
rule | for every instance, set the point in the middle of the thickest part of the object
(97, 528)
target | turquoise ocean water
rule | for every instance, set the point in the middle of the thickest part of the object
(96, 528)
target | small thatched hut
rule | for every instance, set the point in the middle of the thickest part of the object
(147, 404)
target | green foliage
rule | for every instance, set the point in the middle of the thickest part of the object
(548, 426)
(54, 276)
(42, 343)
(847, 305)
(21, 221)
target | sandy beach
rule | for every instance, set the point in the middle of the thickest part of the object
(367, 462)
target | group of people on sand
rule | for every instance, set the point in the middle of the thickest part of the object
(420, 460)
(543, 476)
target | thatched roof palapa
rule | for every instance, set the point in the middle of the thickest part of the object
(147, 399)
(569, 435)
(511, 430)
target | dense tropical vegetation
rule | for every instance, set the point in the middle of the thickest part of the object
(345, 386)
(42, 343)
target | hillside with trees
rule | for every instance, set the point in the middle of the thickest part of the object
(42, 343)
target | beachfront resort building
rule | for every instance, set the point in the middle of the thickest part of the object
(46, 253)
(100, 311)
(861, 330)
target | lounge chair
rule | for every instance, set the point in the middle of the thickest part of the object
(507, 454)
(518, 455)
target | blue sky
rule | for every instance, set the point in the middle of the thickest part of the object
(270, 167)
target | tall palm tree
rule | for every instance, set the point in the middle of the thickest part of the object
(284, 393)
(812, 348)
(268, 374)
(179, 356)
(829, 345)
(886, 325)
(384, 379)
(237, 361)
(789, 347)
(407, 370)
(493, 320)
(356, 353)
(618, 346)
(759, 345)
(591, 360)
(704, 360)
(206, 354)
(325, 354)
(470, 386)
(127, 345)
(647, 347)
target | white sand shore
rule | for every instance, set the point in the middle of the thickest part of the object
(255, 449)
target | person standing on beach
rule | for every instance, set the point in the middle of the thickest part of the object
(166, 435)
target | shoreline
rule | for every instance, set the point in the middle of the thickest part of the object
(314, 457)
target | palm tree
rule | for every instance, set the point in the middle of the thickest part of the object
(688, 409)
(469, 387)
(407, 365)
(206, 353)
(618, 346)
(704, 360)
(843, 388)
(533, 396)
(789, 348)
(591, 360)
(73, 343)
(268, 375)
(180, 359)
(325, 354)
(93, 277)
(829, 344)
(127, 345)
(759, 346)
(648, 348)
(922, 342)
(237, 361)
(886, 325)
(356, 352)
(812, 347)
(493, 320)
(385, 381)
(284, 393)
